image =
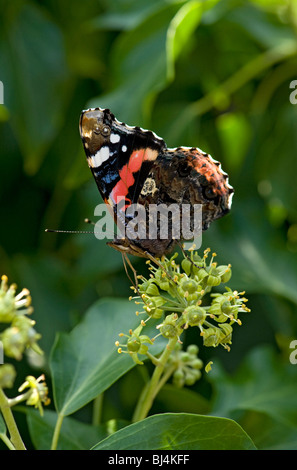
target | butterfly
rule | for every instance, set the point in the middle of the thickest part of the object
(133, 166)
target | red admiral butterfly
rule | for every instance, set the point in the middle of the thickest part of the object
(134, 165)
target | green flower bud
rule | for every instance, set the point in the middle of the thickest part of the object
(7, 311)
(192, 376)
(161, 281)
(227, 331)
(186, 265)
(7, 375)
(227, 274)
(194, 315)
(133, 344)
(178, 374)
(197, 363)
(185, 356)
(152, 306)
(211, 337)
(188, 285)
(198, 260)
(213, 280)
(193, 349)
(178, 378)
(12, 304)
(202, 274)
(143, 287)
(216, 310)
(169, 328)
(189, 288)
(226, 307)
(169, 331)
(177, 347)
(192, 267)
(152, 289)
(13, 342)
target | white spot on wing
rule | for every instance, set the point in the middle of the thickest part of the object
(124, 148)
(100, 157)
(114, 138)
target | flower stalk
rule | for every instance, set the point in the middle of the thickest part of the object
(175, 294)
(153, 386)
(15, 437)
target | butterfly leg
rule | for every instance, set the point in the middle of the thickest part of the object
(186, 255)
(155, 260)
(125, 262)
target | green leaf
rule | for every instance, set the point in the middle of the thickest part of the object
(74, 435)
(263, 383)
(143, 58)
(139, 66)
(179, 431)
(261, 395)
(268, 433)
(260, 263)
(180, 30)
(229, 125)
(257, 24)
(35, 79)
(125, 15)
(184, 400)
(85, 362)
(45, 275)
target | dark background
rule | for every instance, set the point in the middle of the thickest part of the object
(220, 82)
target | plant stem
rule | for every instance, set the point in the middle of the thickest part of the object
(173, 309)
(152, 387)
(220, 95)
(7, 442)
(244, 75)
(15, 401)
(57, 432)
(15, 437)
(97, 410)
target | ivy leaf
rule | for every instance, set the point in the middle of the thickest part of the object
(143, 58)
(85, 362)
(263, 384)
(35, 79)
(74, 434)
(179, 431)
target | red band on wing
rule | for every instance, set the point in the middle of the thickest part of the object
(121, 189)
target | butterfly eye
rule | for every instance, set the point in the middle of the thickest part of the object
(105, 131)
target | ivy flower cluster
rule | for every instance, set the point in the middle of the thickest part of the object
(181, 296)
(186, 365)
(18, 335)
(14, 310)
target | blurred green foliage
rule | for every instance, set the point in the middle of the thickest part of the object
(213, 74)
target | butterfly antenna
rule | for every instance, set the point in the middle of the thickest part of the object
(67, 231)
(89, 221)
